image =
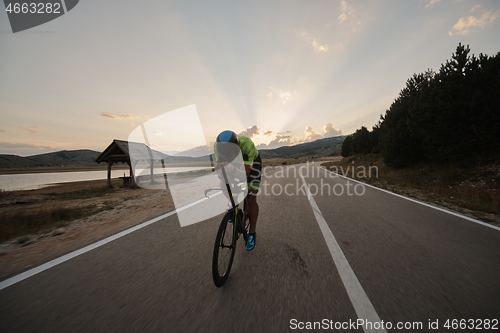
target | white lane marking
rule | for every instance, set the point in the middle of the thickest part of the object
(360, 301)
(419, 202)
(64, 6)
(29, 273)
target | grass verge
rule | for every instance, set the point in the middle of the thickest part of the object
(28, 212)
(85, 193)
(474, 188)
(28, 221)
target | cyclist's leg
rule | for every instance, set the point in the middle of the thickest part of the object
(253, 214)
(253, 188)
(252, 209)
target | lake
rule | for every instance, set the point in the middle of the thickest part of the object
(30, 181)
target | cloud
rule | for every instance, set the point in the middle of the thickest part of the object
(311, 135)
(475, 8)
(279, 141)
(251, 131)
(318, 47)
(431, 3)
(346, 12)
(285, 96)
(157, 133)
(23, 148)
(328, 132)
(31, 129)
(314, 42)
(118, 116)
(9, 145)
(268, 139)
(466, 25)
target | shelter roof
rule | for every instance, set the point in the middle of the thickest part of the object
(120, 151)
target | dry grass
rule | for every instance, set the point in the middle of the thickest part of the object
(118, 210)
(471, 187)
(27, 212)
(28, 221)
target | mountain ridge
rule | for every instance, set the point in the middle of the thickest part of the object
(87, 157)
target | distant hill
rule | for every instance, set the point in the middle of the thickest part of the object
(321, 147)
(196, 152)
(82, 157)
(14, 161)
(86, 157)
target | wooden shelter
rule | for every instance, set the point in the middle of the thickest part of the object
(121, 151)
(117, 151)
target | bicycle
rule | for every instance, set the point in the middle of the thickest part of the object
(234, 223)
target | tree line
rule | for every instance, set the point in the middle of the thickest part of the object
(439, 117)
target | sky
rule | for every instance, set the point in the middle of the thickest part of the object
(281, 72)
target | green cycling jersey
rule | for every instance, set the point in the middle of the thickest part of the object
(248, 150)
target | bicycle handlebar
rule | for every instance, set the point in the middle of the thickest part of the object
(212, 189)
(238, 189)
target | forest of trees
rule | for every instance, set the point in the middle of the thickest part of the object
(439, 117)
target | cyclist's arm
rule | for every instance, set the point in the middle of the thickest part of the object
(232, 170)
(219, 165)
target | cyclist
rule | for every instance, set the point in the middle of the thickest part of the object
(226, 149)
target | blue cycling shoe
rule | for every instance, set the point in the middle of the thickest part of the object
(251, 241)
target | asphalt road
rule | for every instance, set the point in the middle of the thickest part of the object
(327, 258)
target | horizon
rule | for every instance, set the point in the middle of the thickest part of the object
(100, 151)
(282, 73)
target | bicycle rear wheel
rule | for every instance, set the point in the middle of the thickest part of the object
(224, 249)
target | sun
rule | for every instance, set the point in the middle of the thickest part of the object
(263, 137)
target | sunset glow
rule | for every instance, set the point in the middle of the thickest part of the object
(286, 68)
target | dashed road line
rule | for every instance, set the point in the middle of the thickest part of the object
(360, 301)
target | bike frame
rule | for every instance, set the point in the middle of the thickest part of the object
(235, 208)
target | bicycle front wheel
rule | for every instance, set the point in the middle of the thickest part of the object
(224, 249)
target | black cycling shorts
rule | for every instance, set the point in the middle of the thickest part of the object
(253, 178)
